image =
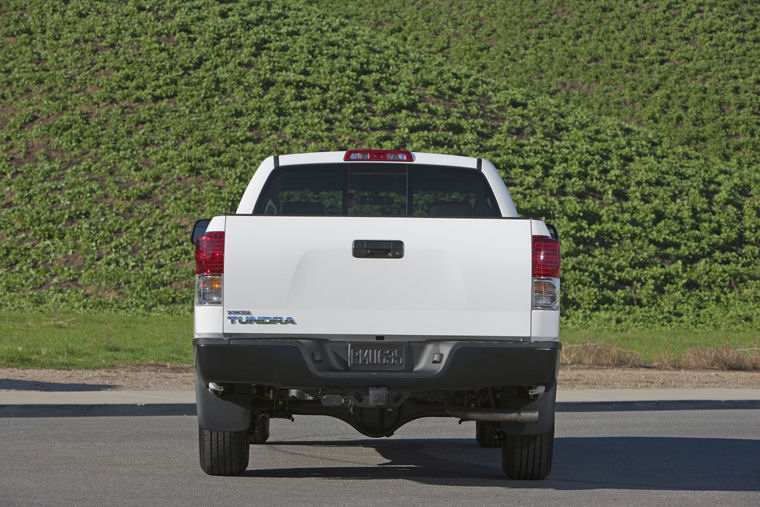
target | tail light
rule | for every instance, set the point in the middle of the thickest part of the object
(209, 268)
(546, 258)
(209, 254)
(546, 264)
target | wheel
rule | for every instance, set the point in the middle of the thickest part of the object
(223, 452)
(527, 457)
(260, 433)
(486, 435)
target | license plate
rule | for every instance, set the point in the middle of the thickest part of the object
(377, 356)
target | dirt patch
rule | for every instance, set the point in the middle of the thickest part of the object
(155, 377)
(133, 378)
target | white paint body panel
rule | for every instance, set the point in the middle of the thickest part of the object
(545, 325)
(207, 321)
(466, 278)
(458, 277)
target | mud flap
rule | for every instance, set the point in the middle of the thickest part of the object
(225, 413)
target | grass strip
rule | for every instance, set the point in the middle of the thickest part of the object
(108, 340)
(78, 341)
(663, 348)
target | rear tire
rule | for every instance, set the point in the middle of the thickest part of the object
(486, 434)
(528, 457)
(223, 452)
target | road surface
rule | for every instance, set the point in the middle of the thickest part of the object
(630, 457)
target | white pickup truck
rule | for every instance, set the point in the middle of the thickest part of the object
(378, 287)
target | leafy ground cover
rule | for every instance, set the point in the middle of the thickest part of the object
(634, 127)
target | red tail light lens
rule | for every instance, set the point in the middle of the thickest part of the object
(378, 156)
(546, 257)
(209, 254)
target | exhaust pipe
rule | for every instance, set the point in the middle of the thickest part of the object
(493, 415)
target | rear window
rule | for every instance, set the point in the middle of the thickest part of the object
(368, 190)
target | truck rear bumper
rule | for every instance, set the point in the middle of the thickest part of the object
(429, 365)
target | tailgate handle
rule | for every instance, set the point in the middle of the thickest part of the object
(378, 249)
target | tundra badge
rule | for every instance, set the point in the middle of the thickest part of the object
(246, 317)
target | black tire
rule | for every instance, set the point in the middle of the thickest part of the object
(486, 434)
(260, 433)
(223, 452)
(527, 457)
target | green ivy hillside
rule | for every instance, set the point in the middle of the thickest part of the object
(632, 127)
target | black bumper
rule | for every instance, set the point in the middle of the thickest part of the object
(304, 364)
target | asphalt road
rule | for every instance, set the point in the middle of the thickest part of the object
(672, 457)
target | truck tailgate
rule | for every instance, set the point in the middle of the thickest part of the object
(457, 277)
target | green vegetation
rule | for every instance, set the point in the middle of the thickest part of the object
(100, 340)
(632, 126)
(107, 340)
(635, 128)
(658, 347)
